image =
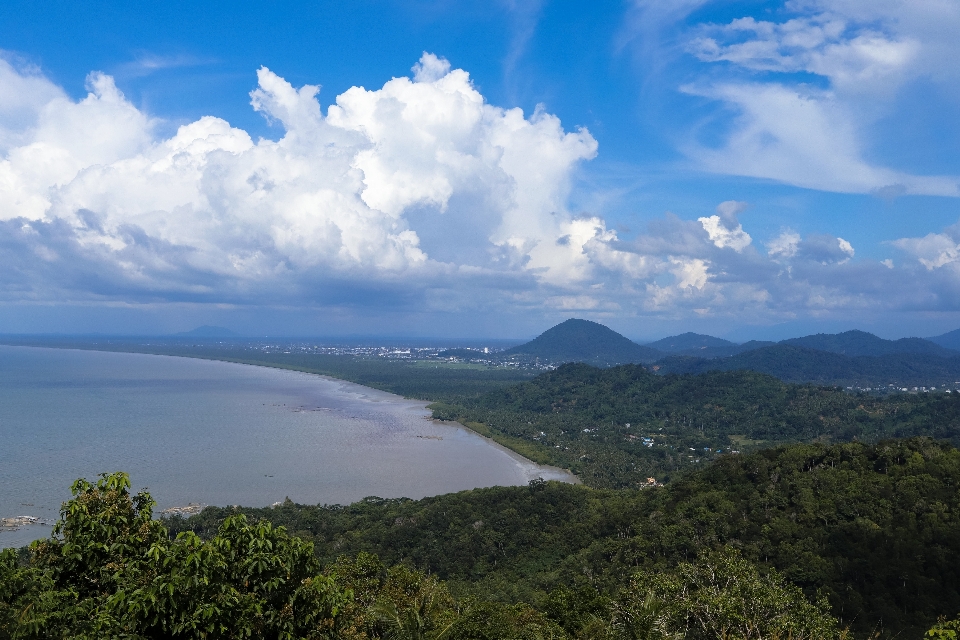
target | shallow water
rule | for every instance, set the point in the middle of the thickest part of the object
(220, 433)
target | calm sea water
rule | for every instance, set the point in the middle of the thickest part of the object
(219, 433)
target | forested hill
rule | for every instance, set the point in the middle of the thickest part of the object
(798, 364)
(861, 343)
(616, 427)
(876, 529)
(583, 341)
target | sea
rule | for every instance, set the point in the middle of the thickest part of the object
(204, 432)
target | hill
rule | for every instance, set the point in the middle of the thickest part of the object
(583, 341)
(618, 426)
(861, 343)
(702, 346)
(688, 341)
(949, 340)
(872, 528)
(792, 363)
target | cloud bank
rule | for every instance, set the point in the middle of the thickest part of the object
(416, 195)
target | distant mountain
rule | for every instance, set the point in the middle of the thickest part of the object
(207, 331)
(584, 341)
(861, 343)
(724, 352)
(703, 346)
(950, 340)
(688, 341)
(792, 363)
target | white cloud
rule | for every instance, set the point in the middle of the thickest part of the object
(418, 194)
(803, 137)
(330, 197)
(933, 251)
(25, 92)
(818, 248)
(817, 130)
(824, 44)
(785, 245)
(724, 229)
(691, 273)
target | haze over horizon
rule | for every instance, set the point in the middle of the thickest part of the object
(745, 170)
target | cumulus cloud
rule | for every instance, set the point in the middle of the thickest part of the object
(418, 194)
(820, 248)
(935, 250)
(724, 229)
(330, 197)
(785, 245)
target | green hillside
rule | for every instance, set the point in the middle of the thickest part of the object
(583, 341)
(861, 343)
(875, 529)
(802, 365)
(688, 341)
(616, 427)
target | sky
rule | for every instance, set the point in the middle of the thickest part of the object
(480, 169)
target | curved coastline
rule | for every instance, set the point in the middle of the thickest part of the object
(396, 443)
(532, 469)
(555, 473)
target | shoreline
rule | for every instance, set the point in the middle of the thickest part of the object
(557, 473)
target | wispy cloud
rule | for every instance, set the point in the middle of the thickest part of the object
(146, 63)
(804, 98)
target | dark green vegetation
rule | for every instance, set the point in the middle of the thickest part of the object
(861, 343)
(583, 341)
(742, 547)
(111, 571)
(852, 358)
(873, 529)
(802, 365)
(687, 341)
(616, 427)
(701, 346)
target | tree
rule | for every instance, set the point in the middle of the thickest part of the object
(111, 571)
(945, 630)
(720, 596)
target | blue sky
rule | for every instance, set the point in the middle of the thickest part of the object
(745, 169)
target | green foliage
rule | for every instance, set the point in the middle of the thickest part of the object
(617, 427)
(484, 620)
(394, 603)
(798, 364)
(873, 528)
(721, 595)
(111, 571)
(945, 630)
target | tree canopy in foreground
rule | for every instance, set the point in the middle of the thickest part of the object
(112, 571)
(799, 542)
